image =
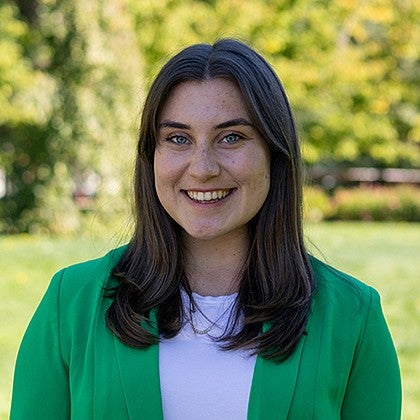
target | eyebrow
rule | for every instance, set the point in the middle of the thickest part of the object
(173, 124)
(234, 122)
(225, 124)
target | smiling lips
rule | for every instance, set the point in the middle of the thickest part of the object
(208, 196)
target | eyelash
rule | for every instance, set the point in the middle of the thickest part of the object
(175, 139)
(237, 138)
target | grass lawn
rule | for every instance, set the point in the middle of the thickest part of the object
(382, 255)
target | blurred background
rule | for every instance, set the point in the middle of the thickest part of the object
(73, 75)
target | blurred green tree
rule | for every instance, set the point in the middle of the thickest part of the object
(84, 143)
(25, 109)
(72, 79)
(349, 66)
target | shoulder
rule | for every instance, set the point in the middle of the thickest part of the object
(70, 308)
(341, 293)
(88, 276)
(345, 311)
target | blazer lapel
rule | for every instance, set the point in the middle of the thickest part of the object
(273, 385)
(271, 394)
(139, 371)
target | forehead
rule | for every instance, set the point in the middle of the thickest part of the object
(211, 99)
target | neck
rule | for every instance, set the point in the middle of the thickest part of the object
(213, 266)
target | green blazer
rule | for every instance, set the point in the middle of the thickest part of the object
(71, 366)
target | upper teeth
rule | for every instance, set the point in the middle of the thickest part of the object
(208, 195)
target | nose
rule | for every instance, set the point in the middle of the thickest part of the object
(204, 164)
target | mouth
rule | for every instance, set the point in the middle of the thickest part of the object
(208, 197)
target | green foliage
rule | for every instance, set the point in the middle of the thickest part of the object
(348, 66)
(22, 88)
(91, 129)
(85, 129)
(72, 80)
(25, 106)
(377, 203)
(317, 204)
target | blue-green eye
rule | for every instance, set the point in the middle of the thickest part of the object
(231, 138)
(177, 139)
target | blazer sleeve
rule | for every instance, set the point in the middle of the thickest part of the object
(41, 385)
(374, 386)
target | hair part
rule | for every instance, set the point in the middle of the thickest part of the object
(276, 283)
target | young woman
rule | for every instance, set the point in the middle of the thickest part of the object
(214, 310)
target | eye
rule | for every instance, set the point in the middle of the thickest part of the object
(177, 139)
(231, 138)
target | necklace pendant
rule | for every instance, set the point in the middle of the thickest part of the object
(193, 307)
(201, 332)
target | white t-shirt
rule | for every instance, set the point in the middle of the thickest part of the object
(199, 380)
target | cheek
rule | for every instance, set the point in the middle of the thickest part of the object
(163, 168)
(161, 177)
(262, 186)
(168, 171)
(260, 178)
(255, 171)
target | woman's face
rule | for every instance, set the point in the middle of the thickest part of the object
(212, 168)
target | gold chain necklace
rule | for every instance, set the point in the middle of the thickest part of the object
(197, 331)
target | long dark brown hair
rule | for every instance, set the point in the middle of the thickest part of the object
(276, 282)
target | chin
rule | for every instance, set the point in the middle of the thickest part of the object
(204, 236)
(206, 233)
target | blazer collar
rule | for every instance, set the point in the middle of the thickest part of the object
(273, 385)
(139, 371)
